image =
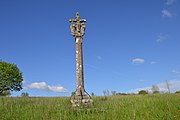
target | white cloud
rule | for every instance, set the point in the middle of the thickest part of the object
(176, 72)
(138, 61)
(166, 13)
(44, 86)
(173, 84)
(161, 38)
(170, 2)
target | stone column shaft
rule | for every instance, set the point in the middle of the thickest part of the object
(79, 67)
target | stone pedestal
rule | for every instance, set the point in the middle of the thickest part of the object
(81, 100)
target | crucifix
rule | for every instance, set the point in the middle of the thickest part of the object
(78, 30)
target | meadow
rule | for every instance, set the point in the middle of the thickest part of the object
(120, 107)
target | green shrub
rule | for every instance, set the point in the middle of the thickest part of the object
(177, 91)
(156, 92)
(24, 94)
(143, 92)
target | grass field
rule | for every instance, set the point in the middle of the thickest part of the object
(122, 107)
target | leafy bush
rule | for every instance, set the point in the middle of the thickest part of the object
(156, 92)
(143, 92)
(24, 94)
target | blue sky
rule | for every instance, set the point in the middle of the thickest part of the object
(128, 45)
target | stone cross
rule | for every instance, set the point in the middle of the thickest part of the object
(78, 29)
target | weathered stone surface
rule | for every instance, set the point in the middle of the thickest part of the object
(78, 29)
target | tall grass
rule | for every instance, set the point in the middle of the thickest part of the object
(127, 107)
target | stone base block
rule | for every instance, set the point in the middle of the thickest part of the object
(84, 101)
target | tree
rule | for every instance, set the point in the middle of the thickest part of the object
(92, 94)
(177, 91)
(113, 92)
(155, 89)
(143, 92)
(121, 93)
(5, 93)
(10, 78)
(73, 93)
(24, 94)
